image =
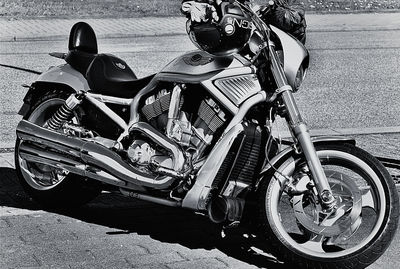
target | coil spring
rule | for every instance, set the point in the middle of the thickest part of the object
(63, 114)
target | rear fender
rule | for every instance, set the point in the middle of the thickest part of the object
(65, 74)
(284, 155)
(62, 77)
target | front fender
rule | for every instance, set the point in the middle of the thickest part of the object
(289, 151)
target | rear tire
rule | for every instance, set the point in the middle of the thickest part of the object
(67, 191)
(307, 248)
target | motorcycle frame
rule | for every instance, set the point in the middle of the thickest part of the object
(197, 196)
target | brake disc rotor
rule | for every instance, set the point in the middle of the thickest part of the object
(345, 220)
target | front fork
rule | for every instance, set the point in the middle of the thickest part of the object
(301, 132)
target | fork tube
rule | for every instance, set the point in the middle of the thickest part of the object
(300, 130)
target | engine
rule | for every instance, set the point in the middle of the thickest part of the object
(186, 116)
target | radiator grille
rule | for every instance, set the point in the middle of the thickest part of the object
(243, 160)
(238, 89)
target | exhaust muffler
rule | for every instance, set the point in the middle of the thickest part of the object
(78, 155)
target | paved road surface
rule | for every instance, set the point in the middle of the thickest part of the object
(353, 82)
(117, 232)
(353, 79)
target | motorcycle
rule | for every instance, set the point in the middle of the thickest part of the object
(198, 135)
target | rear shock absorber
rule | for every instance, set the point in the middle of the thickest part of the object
(65, 112)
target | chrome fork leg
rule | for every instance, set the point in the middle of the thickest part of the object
(301, 132)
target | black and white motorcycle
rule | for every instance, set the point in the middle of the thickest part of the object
(198, 135)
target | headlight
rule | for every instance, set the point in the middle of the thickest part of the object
(301, 74)
(255, 42)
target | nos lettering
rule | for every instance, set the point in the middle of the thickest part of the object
(243, 24)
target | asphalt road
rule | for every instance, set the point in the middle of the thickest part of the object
(353, 79)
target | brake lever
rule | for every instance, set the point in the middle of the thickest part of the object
(268, 8)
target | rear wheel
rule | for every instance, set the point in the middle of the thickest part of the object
(353, 236)
(52, 187)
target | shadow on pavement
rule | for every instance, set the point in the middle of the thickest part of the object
(127, 215)
(12, 194)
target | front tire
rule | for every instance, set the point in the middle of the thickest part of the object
(48, 186)
(298, 231)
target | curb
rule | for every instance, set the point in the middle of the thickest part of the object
(358, 131)
(105, 36)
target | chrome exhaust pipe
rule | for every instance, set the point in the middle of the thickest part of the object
(31, 153)
(98, 156)
(149, 198)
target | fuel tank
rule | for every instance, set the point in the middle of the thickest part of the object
(201, 64)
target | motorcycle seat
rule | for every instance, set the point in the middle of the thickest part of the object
(105, 73)
(109, 75)
(80, 60)
(82, 38)
(82, 46)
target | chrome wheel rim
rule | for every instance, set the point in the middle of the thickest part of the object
(39, 176)
(364, 225)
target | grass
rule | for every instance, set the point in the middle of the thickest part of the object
(88, 8)
(139, 8)
(352, 5)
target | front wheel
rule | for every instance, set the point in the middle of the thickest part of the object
(354, 235)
